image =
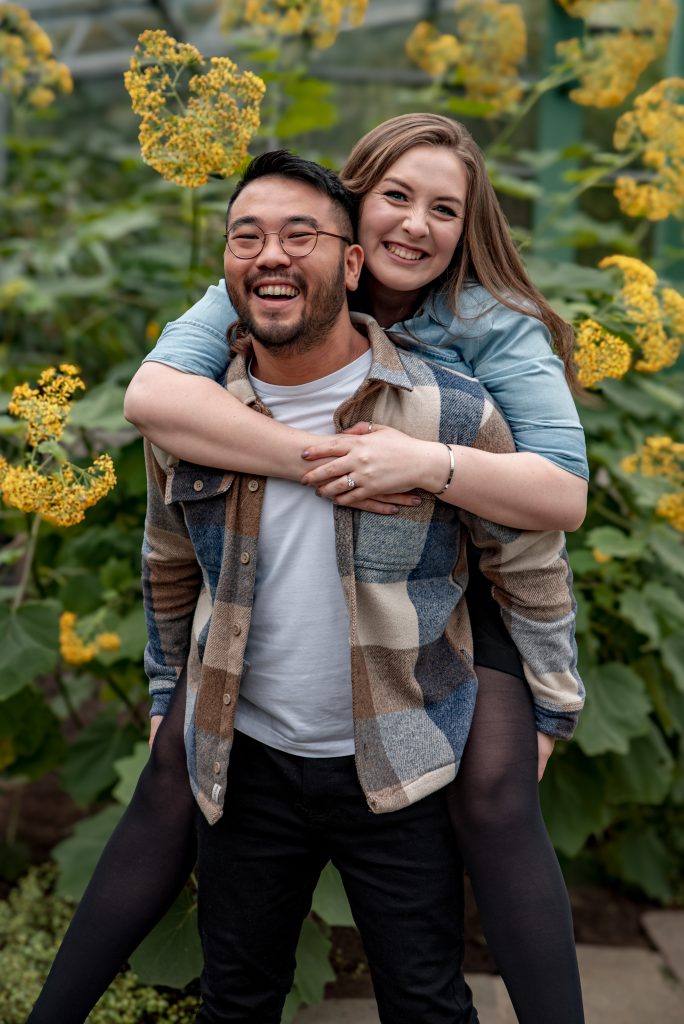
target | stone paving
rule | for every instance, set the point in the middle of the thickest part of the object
(621, 985)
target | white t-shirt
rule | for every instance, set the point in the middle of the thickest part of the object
(295, 692)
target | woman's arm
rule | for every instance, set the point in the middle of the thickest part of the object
(518, 489)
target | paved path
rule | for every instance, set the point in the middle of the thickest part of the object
(621, 985)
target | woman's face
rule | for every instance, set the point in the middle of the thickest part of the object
(411, 221)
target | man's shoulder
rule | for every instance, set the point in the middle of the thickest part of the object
(424, 371)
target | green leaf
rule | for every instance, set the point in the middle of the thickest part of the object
(29, 644)
(81, 592)
(663, 394)
(88, 770)
(171, 954)
(572, 801)
(33, 742)
(128, 770)
(330, 900)
(611, 541)
(58, 453)
(582, 562)
(667, 545)
(634, 610)
(645, 861)
(672, 650)
(665, 601)
(313, 963)
(77, 856)
(102, 410)
(292, 1004)
(616, 710)
(644, 774)
(133, 633)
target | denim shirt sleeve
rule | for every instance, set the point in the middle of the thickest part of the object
(196, 342)
(510, 355)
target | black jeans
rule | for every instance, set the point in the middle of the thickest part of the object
(284, 818)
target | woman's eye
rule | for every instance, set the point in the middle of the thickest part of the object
(394, 193)
(445, 211)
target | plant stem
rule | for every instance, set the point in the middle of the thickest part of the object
(66, 697)
(194, 229)
(125, 699)
(27, 564)
(535, 94)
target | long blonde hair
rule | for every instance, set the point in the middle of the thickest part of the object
(486, 252)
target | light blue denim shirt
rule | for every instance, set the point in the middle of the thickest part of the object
(509, 353)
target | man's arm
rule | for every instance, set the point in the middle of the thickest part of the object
(172, 580)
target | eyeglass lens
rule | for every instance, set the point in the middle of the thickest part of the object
(248, 240)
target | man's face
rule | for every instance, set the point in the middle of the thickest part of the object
(288, 303)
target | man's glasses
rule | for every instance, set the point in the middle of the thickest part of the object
(246, 240)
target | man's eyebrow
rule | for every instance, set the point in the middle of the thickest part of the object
(409, 188)
(295, 219)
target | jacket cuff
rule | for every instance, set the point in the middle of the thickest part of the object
(160, 702)
(560, 724)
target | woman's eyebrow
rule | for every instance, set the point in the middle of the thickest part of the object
(409, 188)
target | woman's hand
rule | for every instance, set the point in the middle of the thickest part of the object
(383, 462)
(545, 745)
(155, 722)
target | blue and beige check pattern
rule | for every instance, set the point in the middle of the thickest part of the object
(403, 576)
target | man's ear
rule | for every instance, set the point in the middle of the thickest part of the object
(353, 261)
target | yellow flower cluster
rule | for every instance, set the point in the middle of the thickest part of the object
(662, 457)
(321, 20)
(77, 651)
(203, 130)
(608, 64)
(432, 51)
(493, 37)
(46, 408)
(658, 319)
(28, 71)
(62, 496)
(654, 129)
(490, 43)
(599, 354)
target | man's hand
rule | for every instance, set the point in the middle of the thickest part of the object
(155, 722)
(545, 745)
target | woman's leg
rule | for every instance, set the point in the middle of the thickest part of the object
(516, 878)
(141, 871)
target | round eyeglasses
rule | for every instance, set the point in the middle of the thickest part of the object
(246, 240)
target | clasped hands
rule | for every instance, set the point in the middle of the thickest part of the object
(385, 465)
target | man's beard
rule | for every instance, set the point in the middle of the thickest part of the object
(323, 303)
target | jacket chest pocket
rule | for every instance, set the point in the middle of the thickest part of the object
(393, 544)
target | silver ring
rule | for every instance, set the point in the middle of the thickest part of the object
(351, 484)
(370, 426)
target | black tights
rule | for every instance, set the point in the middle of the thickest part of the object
(495, 809)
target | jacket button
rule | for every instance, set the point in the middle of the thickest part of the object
(198, 485)
(253, 485)
(217, 767)
(244, 557)
(226, 698)
(237, 629)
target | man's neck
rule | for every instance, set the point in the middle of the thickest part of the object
(341, 347)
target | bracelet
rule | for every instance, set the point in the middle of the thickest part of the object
(452, 467)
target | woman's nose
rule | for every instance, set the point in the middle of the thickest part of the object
(415, 222)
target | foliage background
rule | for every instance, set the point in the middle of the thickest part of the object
(98, 251)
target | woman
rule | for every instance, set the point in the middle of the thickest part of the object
(441, 270)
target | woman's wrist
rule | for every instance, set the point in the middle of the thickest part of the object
(437, 465)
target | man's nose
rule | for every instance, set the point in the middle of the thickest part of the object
(273, 254)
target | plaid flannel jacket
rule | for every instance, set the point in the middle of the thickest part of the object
(403, 576)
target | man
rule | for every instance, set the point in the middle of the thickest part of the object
(327, 651)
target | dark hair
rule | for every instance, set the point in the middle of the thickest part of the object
(281, 163)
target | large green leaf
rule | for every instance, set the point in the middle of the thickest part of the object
(314, 970)
(171, 954)
(644, 774)
(665, 601)
(29, 644)
(89, 770)
(616, 710)
(672, 649)
(635, 610)
(330, 900)
(573, 801)
(30, 736)
(133, 633)
(128, 770)
(611, 541)
(645, 861)
(77, 856)
(667, 545)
